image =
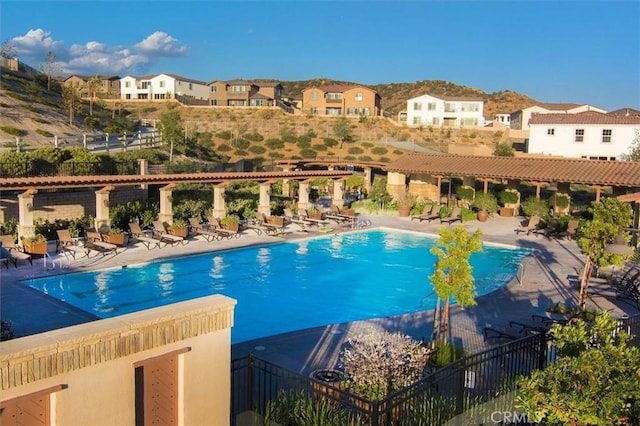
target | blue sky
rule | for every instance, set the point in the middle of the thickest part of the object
(563, 51)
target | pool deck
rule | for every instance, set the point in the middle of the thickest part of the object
(546, 278)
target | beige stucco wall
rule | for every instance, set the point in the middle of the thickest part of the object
(96, 362)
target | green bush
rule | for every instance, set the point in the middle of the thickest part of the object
(330, 142)
(257, 149)
(253, 136)
(379, 150)
(507, 197)
(485, 201)
(225, 134)
(44, 133)
(465, 193)
(13, 131)
(274, 143)
(355, 150)
(536, 206)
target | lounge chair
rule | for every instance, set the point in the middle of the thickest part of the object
(295, 219)
(496, 331)
(455, 216)
(202, 229)
(273, 225)
(11, 252)
(161, 233)
(552, 229)
(339, 216)
(67, 245)
(215, 226)
(304, 215)
(532, 225)
(95, 243)
(429, 213)
(144, 237)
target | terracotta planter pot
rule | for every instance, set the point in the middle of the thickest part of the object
(506, 211)
(180, 232)
(403, 211)
(36, 248)
(235, 227)
(114, 239)
(483, 215)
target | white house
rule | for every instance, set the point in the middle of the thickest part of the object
(520, 119)
(450, 111)
(590, 134)
(162, 86)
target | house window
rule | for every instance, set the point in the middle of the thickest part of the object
(214, 89)
(358, 97)
(417, 120)
(417, 106)
(431, 106)
(551, 132)
(145, 85)
(449, 107)
(435, 121)
(162, 84)
(579, 135)
(606, 135)
(213, 102)
(238, 89)
(190, 86)
(334, 95)
(127, 84)
(314, 110)
(313, 96)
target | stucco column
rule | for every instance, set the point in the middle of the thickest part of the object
(218, 201)
(166, 204)
(26, 228)
(285, 184)
(303, 196)
(143, 165)
(264, 205)
(338, 193)
(396, 184)
(102, 222)
(367, 179)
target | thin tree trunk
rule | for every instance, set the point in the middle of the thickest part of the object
(436, 322)
(584, 282)
(444, 323)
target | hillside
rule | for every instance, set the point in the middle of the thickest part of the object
(36, 114)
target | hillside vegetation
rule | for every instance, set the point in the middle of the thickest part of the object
(29, 111)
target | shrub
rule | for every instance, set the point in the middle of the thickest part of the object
(330, 142)
(308, 153)
(225, 134)
(379, 362)
(485, 201)
(44, 133)
(257, 149)
(224, 148)
(379, 150)
(253, 136)
(355, 150)
(274, 143)
(536, 206)
(507, 197)
(465, 193)
(13, 131)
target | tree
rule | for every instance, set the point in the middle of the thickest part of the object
(503, 149)
(92, 87)
(453, 276)
(8, 50)
(172, 131)
(595, 380)
(342, 130)
(634, 151)
(609, 215)
(71, 101)
(50, 67)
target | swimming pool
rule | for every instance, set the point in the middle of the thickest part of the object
(288, 285)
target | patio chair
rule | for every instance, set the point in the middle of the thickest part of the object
(455, 216)
(160, 232)
(145, 237)
(552, 229)
(202, 229)
(531, 226)
(304, 215)
(571, 231)
(295, 219)
(429, 213)
(11, 252)
(95, 243)
(496, 331)
(67, 245)
(216, 226)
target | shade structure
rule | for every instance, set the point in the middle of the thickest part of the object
(619, 246)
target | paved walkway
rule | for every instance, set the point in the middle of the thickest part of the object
(546, 278)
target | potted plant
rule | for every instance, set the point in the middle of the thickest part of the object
(508, 200)
(231, 222)
(114, 236)
(36, 244)
(485, 203)
(465, 194)
(179, 228)
(405, 202)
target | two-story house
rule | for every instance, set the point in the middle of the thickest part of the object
(162, 86)
(108, 87)
(520, 119)
(449, 111)
(341, 99)
(245, 93)
(589, 134)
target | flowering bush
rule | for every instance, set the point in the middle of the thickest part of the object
(379, 362)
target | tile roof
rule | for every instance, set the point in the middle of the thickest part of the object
(58, 182)
(587, 117)
(338, 88)
(457, 98)
(558, 106)
(588, 172)
(625, 111)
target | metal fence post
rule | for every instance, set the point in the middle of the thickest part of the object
(250, 368)
(542, 362)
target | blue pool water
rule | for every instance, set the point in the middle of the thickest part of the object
(287, 286)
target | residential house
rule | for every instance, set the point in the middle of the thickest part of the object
(504, 119)
(245, 93)
(449, 111)
(520, 119)
(588, 134)
(109, 86)
(341, 99)
(162, 86)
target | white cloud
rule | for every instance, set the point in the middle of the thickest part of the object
(98, 58)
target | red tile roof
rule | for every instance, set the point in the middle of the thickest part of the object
(588, 172)
(587, 117)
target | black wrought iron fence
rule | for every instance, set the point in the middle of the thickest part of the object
(468, 387)
(35, 169)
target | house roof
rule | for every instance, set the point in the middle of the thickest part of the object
(558, 106)
(89, 77)
(535, 169)
(457, 98)
(338, 88)
(625, 111)
(587, 117)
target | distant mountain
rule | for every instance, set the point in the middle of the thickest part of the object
(395, 95)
